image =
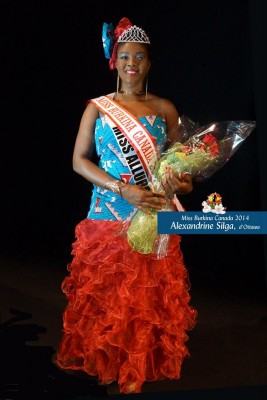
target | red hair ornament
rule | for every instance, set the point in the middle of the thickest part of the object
(123, 25)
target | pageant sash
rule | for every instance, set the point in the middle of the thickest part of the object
(130, 157)
(125, 125)
(139, 138)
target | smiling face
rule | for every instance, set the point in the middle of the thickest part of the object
(132, 63)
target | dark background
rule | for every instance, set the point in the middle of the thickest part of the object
(209, 59)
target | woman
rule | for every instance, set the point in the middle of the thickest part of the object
(127, 312)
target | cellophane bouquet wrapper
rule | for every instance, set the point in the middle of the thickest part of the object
(201, 151)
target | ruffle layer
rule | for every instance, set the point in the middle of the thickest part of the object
(127, 313)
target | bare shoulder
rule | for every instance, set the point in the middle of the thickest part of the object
(165, 106)
(89, 117)
(91, 111)
(168, 111)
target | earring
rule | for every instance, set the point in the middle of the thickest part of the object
(118, 84)
(146, 85)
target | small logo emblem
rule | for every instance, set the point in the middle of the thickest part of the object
(213, 204)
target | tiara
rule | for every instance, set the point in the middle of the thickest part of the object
(134, 34)
(124, 32)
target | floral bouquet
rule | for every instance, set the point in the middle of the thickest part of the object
(201, 151)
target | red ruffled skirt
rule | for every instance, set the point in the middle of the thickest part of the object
(127, 313)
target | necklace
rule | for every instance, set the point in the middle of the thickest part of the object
(140, 93)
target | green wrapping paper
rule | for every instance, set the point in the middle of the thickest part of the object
(142, 235)
(142, 232)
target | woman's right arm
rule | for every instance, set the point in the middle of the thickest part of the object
(83, 144)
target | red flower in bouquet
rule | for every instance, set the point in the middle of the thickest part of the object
(194, 156)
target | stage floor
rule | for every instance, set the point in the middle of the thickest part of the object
(228, 345)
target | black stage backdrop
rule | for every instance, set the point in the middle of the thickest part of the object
(208, 58)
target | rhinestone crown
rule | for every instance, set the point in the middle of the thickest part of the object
(134, 34)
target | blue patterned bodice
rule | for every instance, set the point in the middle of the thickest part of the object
(106, 205)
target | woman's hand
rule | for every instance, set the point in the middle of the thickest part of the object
(142, 198)
(182, 184)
